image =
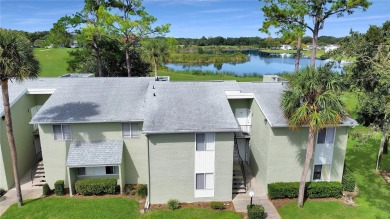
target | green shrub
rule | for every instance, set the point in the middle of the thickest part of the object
(2, 192)
(128, 189)
(348, 180)
(324, 189)
(313, 190)
(59, 188)
(283, 190)
(217, 205)
(46, 189)
(96, 186)
(142, 191)
(173, 204)
(255, 212)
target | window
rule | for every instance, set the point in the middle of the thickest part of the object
(326, 136)
(322, 172)
(97, 171)
(81, 171)
(205, 141)
(204, 181)
(130, 130)
(62, 132)
(111, 170)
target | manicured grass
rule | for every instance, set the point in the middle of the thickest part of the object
(104, 207)
(374, 192)
(192, 213)
(351, 101)
(53, 61)
(187, 76)
(61, 207)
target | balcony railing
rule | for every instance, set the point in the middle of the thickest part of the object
(245, 131)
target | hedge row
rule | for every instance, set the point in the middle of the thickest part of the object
(96, 186)
(348, 180)
(313, 190)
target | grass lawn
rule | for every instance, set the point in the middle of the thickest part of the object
(187, 76)
(104, 207)
(53, 64)
(373, 200)
(53, 61)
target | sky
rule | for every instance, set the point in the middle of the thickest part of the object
(188, 18)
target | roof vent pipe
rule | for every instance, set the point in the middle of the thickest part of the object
(154, 94)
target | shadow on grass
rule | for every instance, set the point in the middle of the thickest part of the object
(374, 192)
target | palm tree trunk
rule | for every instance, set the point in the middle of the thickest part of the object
(309, 155)
(128, 64)
(155, 67)
(314, 45)
(298, 54)
(11, 139)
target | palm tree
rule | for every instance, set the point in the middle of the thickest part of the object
(16, 61)
(312, 99)
(155, 51)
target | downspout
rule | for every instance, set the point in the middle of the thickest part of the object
(148, 197)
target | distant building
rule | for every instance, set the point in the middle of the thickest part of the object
(286, 47)
(329, 48)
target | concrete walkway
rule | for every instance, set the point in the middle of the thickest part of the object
(28, 192)
(240, 201)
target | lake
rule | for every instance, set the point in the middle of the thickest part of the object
(259, 64)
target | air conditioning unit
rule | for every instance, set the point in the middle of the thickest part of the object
(162, 78)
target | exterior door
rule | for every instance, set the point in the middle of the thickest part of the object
(242, 115)
(243, 148)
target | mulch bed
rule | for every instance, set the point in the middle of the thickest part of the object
(228, 205)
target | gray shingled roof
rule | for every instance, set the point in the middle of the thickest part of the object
(96, 100)
(177, 106)
(268, 96)
(189, 107)
(101, 153)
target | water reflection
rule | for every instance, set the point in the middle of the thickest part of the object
(259, 63)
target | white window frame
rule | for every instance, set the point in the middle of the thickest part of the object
(115, 171)
(326, 135)
(62, 132)
(322, 178)
(208, 146)
(325, 163)
(205, 181)
(131, 133)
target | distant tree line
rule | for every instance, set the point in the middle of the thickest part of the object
(41, 39)
(252, 41)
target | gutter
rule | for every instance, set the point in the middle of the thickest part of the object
(190, 131)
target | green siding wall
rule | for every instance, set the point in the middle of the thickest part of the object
(172, 174)
(55, 152)
(259, 145)
(288, 151)
(239, 103)
(25, 148)
(339, 152)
